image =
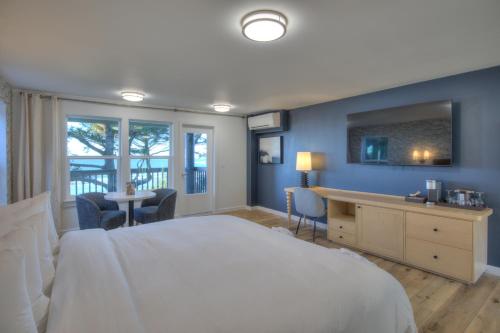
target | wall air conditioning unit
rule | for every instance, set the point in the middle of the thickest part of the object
(264, 121)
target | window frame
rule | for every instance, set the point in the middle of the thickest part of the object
(67, 175)
(123, 156)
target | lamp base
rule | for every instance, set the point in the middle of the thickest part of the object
(304, 179)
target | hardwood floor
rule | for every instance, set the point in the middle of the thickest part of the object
(439, 304)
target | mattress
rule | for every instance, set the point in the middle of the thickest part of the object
(218, 274)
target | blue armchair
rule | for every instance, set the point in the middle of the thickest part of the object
(159, 208)
(96, 212)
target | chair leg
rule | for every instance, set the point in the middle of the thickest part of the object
(298, 226)
(314, 231)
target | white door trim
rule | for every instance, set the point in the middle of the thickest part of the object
(211, 181)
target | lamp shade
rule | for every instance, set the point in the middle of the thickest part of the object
(304, 162)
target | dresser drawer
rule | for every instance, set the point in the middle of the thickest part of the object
(442, 230)
(440, 258)
(342, 237)
(342, 226)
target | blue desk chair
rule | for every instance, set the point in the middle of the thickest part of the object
(159, 208)
(308, 204)
(96, 212)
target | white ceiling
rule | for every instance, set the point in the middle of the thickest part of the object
(191, 54)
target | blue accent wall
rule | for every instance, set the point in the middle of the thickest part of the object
(322, 128)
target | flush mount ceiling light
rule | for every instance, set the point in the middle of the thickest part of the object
(132, 96)
(221, 107)
(264, 25)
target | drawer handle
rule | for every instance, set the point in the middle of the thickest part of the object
(435, 229)
(359, 206)
(435, 257)
(341, 236)
(341, 227)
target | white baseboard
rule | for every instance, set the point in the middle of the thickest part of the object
(295, 218)
(225, 210)
(493, 270)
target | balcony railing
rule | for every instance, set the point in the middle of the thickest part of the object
(83, 181)
(149, 179)
(196, 180)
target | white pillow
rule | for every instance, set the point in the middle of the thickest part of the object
(45, 256)
(35, 211)
(16, 315)
(25, 239)
(15, 213)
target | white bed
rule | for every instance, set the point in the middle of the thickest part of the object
(217, 274)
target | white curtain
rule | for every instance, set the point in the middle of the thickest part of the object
(56, 179)
(38, 167)
(29, 180)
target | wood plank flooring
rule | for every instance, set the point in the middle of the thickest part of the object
(439, 304)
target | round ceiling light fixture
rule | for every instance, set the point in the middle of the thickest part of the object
(132, 96)
(264, 25)
(222, 107)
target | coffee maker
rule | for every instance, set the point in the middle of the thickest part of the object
(433, 191)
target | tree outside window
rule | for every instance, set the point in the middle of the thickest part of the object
(92, 147)
(93, 154)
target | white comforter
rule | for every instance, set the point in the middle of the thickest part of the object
(217, 274)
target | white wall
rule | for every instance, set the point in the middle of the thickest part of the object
(229, 148)
(3, 154)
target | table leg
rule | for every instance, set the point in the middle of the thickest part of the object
(130, 213)
(289, 208)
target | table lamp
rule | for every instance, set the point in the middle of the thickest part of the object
(304, 164)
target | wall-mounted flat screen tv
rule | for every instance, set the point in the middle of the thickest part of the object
(419, 134)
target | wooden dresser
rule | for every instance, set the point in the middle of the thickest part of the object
(447, 241)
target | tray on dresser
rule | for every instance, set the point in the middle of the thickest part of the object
(445, 204)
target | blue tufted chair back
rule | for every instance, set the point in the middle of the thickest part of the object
(89, 207)
(165, 200)
(308, 203)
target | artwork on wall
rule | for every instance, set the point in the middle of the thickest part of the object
(271, 150)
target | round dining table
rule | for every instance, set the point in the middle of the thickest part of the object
(124, 197)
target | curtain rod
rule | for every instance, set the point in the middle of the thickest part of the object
(78, 99)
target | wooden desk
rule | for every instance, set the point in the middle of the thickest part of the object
(444, 240)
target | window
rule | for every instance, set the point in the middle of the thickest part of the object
(195, 162)
(93, 155)
(92, 149)
(375, 149)
(149, 150)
